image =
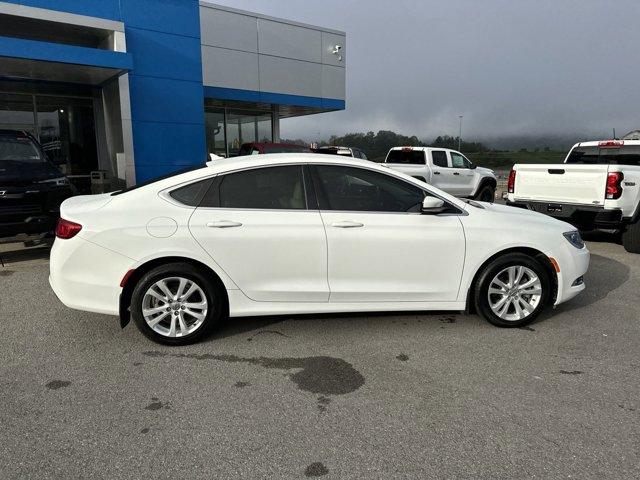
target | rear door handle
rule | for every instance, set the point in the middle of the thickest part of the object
(347, 224)
(223, 224)
(436, 173)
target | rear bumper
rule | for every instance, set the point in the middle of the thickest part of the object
(86, 276)
(578, 215)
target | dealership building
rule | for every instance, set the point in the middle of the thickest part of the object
(141, 88)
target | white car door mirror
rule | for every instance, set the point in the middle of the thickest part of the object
(432, 205)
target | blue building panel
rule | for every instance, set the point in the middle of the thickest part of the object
(165, 100)
(181, 56)
(173, 148)
(179, 17)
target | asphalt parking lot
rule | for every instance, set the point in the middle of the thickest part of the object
(340, 396)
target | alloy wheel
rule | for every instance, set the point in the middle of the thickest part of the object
(174, 306)
(514, 293)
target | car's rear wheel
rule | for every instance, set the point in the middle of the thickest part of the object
(177, 304)
(512, 290)
(486, 194)
(631, 237)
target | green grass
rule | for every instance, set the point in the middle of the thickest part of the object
(505, 160)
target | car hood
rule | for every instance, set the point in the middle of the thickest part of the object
(521, 215)
(12, 171)
(485, 171)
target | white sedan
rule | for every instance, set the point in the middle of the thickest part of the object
(304, 233)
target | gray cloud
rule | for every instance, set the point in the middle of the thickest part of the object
(511, 67)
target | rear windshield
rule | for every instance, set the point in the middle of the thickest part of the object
(18, 149)
(406, 156)
(625, 155)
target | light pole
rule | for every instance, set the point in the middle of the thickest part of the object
(460, 134)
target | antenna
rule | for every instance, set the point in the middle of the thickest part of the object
(614, 134)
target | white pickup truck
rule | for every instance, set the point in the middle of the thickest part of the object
(445, 169)
(597, 186)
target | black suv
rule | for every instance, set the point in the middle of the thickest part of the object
(31, 187)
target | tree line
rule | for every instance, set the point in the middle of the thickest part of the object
(376, 145)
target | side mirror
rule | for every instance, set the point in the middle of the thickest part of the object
(432, 205)
(472, 166)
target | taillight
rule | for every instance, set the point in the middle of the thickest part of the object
(66, 229)
(614, 185)
(611, 144)
(511, 183)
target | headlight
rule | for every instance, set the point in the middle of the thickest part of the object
(56, 182)
(574, 239)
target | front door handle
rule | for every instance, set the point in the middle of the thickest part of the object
(456, 173)
(347, 224)
(223, 224)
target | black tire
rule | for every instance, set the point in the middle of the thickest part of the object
(486, 194)
(481, 296)
(215, 296)
(631, 237)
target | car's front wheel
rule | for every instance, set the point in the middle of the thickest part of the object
(177, 304)
(486, 194)
(512, 290)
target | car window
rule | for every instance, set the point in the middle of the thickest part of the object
(407, 156)
(439, 158)
(458, 161)
(260, 188)
(363, 156)
(191, 195)
(362, 190)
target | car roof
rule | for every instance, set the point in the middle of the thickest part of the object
(225, 165)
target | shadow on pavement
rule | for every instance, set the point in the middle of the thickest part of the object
(26, 251)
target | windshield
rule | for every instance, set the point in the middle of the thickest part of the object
(19, 149)
(625, 155)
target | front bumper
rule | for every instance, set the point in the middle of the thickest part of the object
(573, 265)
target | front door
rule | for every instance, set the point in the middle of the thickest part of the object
(255, 224)
(380, 247)
(462, 175)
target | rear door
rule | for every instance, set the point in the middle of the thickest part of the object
(256, 225)
(440, 170)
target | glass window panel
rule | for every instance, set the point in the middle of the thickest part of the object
(245, 127)
(268, 188)
(67, 134)
(16, 112)
(214, 124)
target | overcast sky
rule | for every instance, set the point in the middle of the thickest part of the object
(511, 67)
